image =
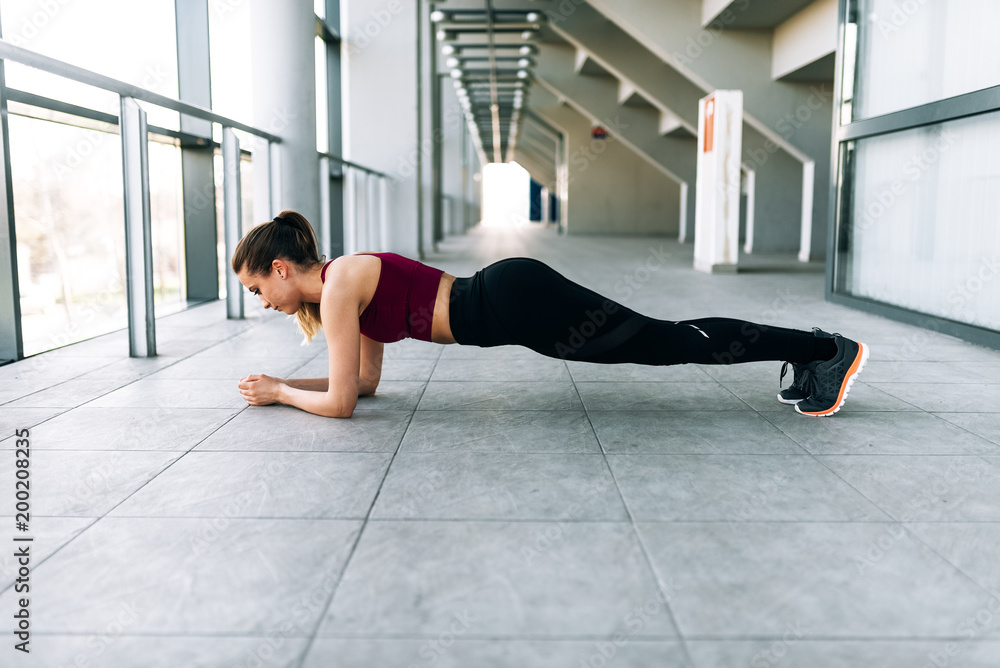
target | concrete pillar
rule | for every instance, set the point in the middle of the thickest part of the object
(284, 99)
(452, 126)
(379, 92)
(717, 196)
(201, 263)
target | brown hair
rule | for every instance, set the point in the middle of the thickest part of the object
(288, 237)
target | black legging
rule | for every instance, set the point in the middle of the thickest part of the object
(522, 301)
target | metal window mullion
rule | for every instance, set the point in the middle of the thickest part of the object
(138, 230)
(324, 206)
(383, 215)
(11, 341)
(350, 197)
(369, 210)
(231, 218)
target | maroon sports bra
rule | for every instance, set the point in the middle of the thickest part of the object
(403, 304)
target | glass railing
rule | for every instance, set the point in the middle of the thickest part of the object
(365, 201)
(99, 219)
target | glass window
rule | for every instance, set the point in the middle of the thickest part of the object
(915, 52)
(920, 226)
(231, 73)
(69, 220)
(247, 219)
(134, 42)
(166, 209)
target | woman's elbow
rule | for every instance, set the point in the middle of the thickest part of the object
(343, 409)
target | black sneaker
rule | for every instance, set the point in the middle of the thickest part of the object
(799, 389)
(831, 380)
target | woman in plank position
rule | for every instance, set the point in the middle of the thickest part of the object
(365, 300)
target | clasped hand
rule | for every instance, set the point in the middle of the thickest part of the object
(259, 389)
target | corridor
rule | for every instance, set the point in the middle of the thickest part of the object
(496, 508)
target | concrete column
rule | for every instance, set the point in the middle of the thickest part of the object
(284, 99)
(452, 126)
(379, 92)
(201, 264)
(717, 196)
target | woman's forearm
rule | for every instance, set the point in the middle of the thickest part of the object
(317, 402)
(365, 386)
(316, 384)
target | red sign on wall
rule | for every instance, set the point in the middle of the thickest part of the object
(709, 125)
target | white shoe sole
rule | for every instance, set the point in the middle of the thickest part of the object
(790, 402)
(865, 350)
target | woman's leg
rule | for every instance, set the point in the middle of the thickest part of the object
(541, 309)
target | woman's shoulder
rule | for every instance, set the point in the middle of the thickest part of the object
(355, 272)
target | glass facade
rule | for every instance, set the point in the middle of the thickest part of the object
(915, 52)
(918, 192)
(66, 154)
(69, 221)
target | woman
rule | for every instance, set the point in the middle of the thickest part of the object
(365, 300)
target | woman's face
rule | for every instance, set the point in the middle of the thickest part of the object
(276, 291)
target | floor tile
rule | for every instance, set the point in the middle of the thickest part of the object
(326, 485)
(413, 349)
(947, 397)
(207, 366)
(392, 368)
(393, 395)
(759, 373)
(690, 432)
(519, 578)
(69, 394)
(286, 428)
(925, 488)
(500, 431)
(449, 485)
(886, 433)
(66, 483)
(13, 418)
(986, 425)
(175, 576)
(790, 651)
(112, 649)
(497, 353)
(736, 488)
(879, 371)
(132, 368)
(862, 398)
(540, 370)
(175, 393)
(57, 368)
(618, 396)
(515, 395)
(98, 428)
(813, 576)
(449, 649)
(588, 372)
(48, 534)
(973, 547)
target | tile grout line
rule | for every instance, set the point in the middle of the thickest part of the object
(635, 530)
(304, 654)
(136, 490)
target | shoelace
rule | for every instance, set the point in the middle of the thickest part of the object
(802, 380)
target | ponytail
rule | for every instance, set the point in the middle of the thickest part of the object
(288, 237)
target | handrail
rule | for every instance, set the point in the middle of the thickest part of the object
(337, 158)
(9, 51)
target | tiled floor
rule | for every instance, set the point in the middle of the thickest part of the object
(495, 508)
